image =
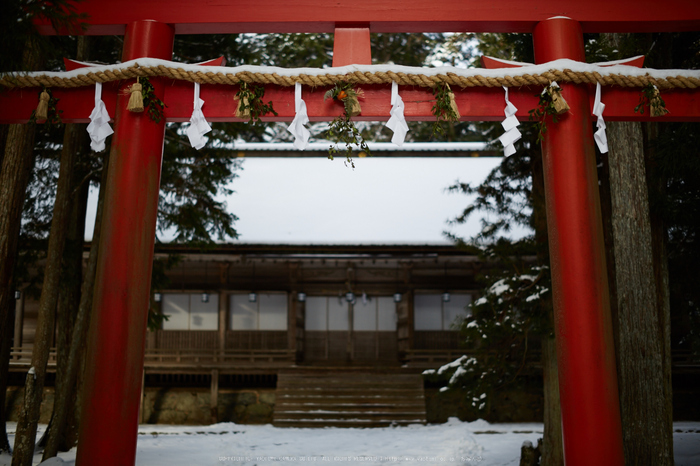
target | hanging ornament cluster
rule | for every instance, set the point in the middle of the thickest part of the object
(243, 106)
(510, 125)
(558, 102)
(344, 93)
(445, 107)
(342, 129)
(650, 96)
(251, 104)
(657, 106)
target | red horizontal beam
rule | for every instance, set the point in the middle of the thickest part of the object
(109, 17)
(475, 104)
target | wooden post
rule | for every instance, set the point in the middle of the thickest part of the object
(214, 397)
(19, 322)
(223, 327)
(351, 46)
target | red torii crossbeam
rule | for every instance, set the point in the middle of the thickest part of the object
(475, 104)
(590, 407)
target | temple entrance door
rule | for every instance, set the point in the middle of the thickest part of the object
(362, 332)
(374, 337)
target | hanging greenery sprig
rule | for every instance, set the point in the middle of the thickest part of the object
(250, 103)
(154, 105)
(46, 109)
(342, 129)
(445, 107)
(650, 97)
(551, 103)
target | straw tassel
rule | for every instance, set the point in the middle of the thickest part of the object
(136, 98)
(657, 107)
(353, 106)
(42, 110)
(453, 104)
(243, 109)
(560, 105)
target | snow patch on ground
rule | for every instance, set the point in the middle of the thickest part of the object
(455, 442)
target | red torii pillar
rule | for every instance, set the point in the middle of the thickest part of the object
(591, 424)
(110, 413)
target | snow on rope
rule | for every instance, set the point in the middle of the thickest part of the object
(533, 75)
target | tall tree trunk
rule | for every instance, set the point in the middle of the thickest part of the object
(69, 299)
(82, 322)
(15, 171)
(71, 275)
(5, 325)
(661, 276)
(34, 383)
(552, 443)
(3, 139)
(647, 435)
(70, 280)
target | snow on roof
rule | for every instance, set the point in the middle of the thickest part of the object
(373, 146)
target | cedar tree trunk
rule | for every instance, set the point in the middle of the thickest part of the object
(14, 176)
(642, 348)
(34, 384)
(82, 321)
(552, 443)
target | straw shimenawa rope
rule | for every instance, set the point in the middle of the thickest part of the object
(14, 80)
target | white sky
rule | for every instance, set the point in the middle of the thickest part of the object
(319, 201)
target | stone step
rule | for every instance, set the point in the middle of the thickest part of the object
(349, 400)
(367, 392)
(345, 423)
(360, 403)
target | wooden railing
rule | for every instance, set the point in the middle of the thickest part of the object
(22, 357)
(432, 359)
(189, 357)
(681, 359)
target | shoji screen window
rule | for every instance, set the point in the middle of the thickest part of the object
(268, 312)
(375, 314)
(188, 312)
(432, 313)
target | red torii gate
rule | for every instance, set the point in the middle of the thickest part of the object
(588, 381)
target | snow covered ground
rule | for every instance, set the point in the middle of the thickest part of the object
(458, 443)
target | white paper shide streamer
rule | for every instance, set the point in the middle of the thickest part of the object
(99, 128)
(510, 124)
(397, 121)
(296, 127)
(198, 124)
(601, 139)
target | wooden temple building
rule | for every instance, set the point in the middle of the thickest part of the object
(356, 322)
